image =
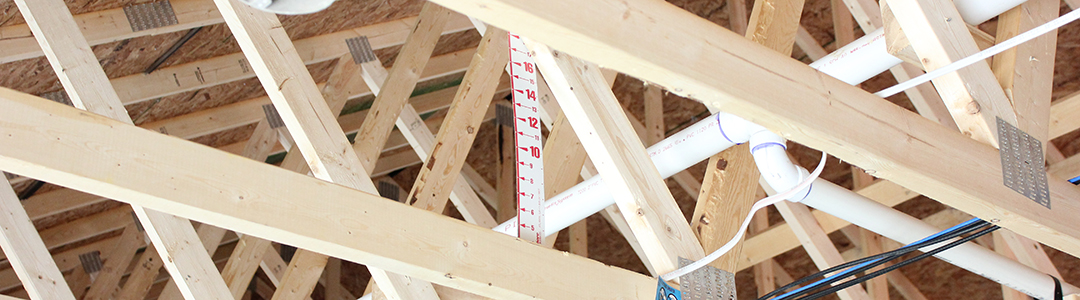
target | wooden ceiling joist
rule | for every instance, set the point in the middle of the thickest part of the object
(87, 87)
(437, 176)
(337, 221)
(232, 67)
(315, 130)
(842, 120)
(620, 157)
(409, 123)
(400, 81)
(28, 255)
(106, 26)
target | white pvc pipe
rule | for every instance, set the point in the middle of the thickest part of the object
(672, 155)
(852, 207)
(867, 56)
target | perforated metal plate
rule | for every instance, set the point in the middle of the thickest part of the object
(388, 190)
(1022, 166)
(272, 116)
(504, 115)
(150, 15)
(707, 283)
(60, 96)
(360, 50)
(91, 261)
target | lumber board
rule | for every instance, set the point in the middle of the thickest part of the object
(436, 179)
(971, 94)
(107, 26)
(801, 104)
(232, 67)
(316, 132)
(337, 221)
(108, 279)
(816, 242)
(620, 157)
(87, 86)
(28, 255)
(399, 82)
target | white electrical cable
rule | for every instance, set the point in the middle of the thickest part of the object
(746, 223)
(1001, 47)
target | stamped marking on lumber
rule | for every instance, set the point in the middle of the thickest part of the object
(530, 165)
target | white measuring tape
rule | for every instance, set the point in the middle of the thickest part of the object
(527, 141)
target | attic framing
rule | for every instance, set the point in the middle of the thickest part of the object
(336, 213)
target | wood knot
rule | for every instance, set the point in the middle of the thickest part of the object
(973, 107)
(721, 164)
(469, 129)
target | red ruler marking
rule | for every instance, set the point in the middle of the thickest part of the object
(530, 165)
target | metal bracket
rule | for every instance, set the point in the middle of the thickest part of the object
(91, 261)
(272, 116)
(150, 15)
(707, 283)
(388, 190)
(504, 115)
(1023, 168)
(360, 49)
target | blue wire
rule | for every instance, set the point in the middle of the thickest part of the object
(845, 273)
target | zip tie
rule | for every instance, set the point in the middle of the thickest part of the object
(967, 61)
(770, 200)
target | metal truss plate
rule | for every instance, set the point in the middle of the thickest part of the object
(388, 190)
(1023, 168)
(360, 49)
(91, 261)
(504, 115)
(272, 116)
(707, 283)
(150, 15)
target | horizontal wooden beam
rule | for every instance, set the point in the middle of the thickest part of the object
(107, 26)
(44, 141)
(232, 67)
(790, 98)
(249, 111)
(66, 200)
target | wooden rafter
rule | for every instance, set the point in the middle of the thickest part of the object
(28, 255)
(420, 137)
(620, 157)
(729, 188)
(333, 215)
(86, 85)
(400, 81)
(315, 130)
(829, 115)
(437, 179)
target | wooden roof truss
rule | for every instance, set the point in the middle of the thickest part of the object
(413, 253)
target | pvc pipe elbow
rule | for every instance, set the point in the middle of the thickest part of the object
(737, 130)
(770, 155)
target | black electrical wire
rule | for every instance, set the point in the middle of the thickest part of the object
(951, 235)
(877, 273)
(885, 256)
